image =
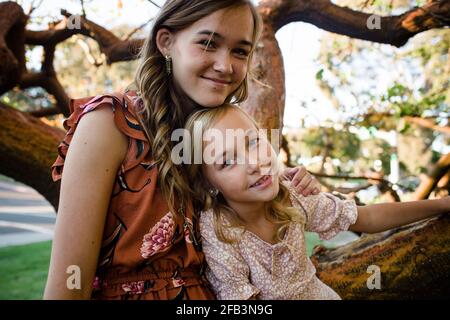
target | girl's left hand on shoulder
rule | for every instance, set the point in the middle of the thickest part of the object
(301, 180)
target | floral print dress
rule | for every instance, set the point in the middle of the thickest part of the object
(252, 267)
(147, 251)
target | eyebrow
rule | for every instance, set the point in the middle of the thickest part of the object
(234, 151)
(217, 35)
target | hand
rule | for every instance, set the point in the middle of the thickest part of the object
(301, 180)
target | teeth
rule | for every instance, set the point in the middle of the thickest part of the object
(260, 181)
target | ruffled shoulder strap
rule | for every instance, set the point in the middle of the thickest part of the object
(125, 107)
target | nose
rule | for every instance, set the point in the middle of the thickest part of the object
(223, 63)
(258, 162)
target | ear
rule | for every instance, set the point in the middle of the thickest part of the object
(164, 41)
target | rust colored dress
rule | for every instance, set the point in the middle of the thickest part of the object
(147, 251)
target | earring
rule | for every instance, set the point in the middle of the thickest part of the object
(213, 192)
(168, 64)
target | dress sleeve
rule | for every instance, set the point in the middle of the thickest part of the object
(325, 214)
(124, 118)
(227, 270)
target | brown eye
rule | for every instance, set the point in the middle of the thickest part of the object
(241, 52)
(208, 44)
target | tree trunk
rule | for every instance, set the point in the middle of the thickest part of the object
(28, 148)
(266, 86)
(414, 263)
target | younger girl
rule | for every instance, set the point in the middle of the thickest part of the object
(253, 226)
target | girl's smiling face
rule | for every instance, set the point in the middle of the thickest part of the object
(245, 168)
(210, 58)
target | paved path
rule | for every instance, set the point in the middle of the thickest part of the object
(25, 216)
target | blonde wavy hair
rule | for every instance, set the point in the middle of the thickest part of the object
(278, 211)
(164, 103)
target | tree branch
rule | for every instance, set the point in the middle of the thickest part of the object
(12, 47)
(426, 123)
(394, 30)
(113, 47)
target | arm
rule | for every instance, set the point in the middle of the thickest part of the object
(95, 154)
(384, 216)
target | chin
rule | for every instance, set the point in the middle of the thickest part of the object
(211, 103)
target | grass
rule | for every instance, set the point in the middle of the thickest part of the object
(23, 271)
(312, 239)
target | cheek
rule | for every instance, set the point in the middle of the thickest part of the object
(188, 62)
(240, 69)
(231, 182)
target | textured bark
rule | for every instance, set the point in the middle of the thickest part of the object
(266, 86)
(28, 147)
(12, 45)
(414, 263)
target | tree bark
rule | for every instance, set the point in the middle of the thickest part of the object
(414, 263)
(28, 148)
(266, 86)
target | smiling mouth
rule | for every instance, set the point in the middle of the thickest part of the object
(260, 181)
(217, 81)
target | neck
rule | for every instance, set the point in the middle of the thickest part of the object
(250, 212)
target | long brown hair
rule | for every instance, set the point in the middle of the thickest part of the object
(278, 210)
(164, 103)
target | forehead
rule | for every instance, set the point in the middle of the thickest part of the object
(235, 121)
(234, 24)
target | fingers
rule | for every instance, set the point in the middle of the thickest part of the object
(288, 173)
(315, 185)
(298, 175)
(304, 183)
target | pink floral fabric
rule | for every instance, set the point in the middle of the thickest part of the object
(160, 236)
(252, 267)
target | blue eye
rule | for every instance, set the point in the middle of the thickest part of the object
(253, 142)
(229, 162)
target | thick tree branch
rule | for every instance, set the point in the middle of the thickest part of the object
(113, 47)
(394, 30)
(12, 47)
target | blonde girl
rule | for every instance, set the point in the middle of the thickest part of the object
(252, 225)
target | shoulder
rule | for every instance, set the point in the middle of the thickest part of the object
(206, 220)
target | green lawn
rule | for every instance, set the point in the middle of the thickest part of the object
(23, 271)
